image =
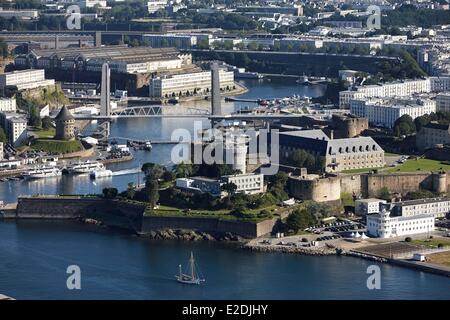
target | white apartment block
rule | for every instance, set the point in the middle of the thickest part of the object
(246, 183)
(92, 3)
(384, 112)
(25, 79)
(382, 225)
(134, 67)
(16, 128)
(394, 89)
(438, 207)
(1, 151)
(443, 102)
(155, 5)
(19, 14)
(188, 84)
(364, 207)
(8, 105)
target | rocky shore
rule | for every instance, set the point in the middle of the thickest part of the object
(190, 235)
(324, 251)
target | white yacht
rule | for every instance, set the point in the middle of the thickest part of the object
(85, 167)
(43, 172)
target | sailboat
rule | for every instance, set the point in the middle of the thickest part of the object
(191, 278)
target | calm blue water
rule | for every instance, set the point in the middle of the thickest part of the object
(34, 255)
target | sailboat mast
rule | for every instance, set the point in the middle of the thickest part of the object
(192, 265)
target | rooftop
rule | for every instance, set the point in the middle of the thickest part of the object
(420, 201)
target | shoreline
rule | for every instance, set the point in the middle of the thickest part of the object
(187, 235)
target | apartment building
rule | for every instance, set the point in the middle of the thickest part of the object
(443, 102)
(250, 183)
(8, 105)
(433, 134)
(384, 112)
(15, 127)
(25, 79)
(188, 84)
(438, 207)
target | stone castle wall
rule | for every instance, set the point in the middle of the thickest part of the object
(367, 185)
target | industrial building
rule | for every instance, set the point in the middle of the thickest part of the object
(121, 59)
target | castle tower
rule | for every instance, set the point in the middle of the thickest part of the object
(65, 125)
(440, 182)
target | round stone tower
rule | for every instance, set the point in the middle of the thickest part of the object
(440, 182)
(65, 125)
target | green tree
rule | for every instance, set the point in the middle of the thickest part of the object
(230, 188)
(3, 137)
(152, 170)
(35, 118)
(384, 194)
(131, 190)
(110, 193)
(404, 125)
(183, 170)
(151, 191)
(46, 123)
(299, 220)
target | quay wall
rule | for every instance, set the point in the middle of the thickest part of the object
(210, 225)
(111, 212)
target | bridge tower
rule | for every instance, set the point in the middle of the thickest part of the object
(216, 108)
(105, 103)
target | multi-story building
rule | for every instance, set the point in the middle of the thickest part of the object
(438, 207)
(385, 111)
(92, 3)
(25, 79)
(15, 127)
(188, 84)
(19, 14)
(383, 225)
(270, 11)
(443, 102)
(8, 105)
(394, 89)
(250, 183)
(364, 207)
(1, 151)
(119, 58)
(433, 134)
(155, 5)
(339, 154)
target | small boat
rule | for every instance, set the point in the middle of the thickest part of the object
(104, 173)
(148, 146)
(191, 278)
